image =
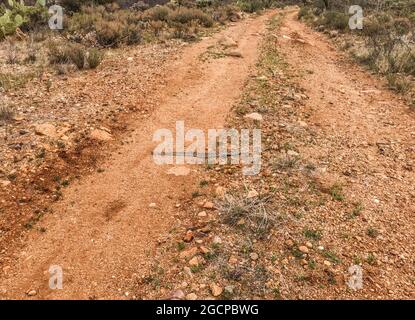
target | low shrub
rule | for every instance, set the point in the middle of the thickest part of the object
(335, 20)
(76, 54)
(187, 15)
(94, 58)
(109, 33)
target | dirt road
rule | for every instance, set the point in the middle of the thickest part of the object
(364, 135)
(104, 233)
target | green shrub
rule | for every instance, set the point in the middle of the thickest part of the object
(250, 6)
(58, 53)
(76, 55)
(109, 33)
(158, 13)
(132, 34)
(94, 58)
(335, 20)
(398, 83)
(186, 15)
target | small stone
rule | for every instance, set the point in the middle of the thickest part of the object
(230, 290)
(196, 261)
(101, 135)
(216, 240)
(4, 183)
(327, 263)
(220, 192)
(321, 248)
(289, 243)
(292, 153)
(303, 249)
(189, 236)
(32, 293)
(202, 214)
(234, 53)
(254, 116)
(254, 256)
(152, 205)
(177, 295)
(189, 253)
(204, 250)
(188, 271)
(309, 245)
(233, 260)
(216, 290)
(252, 194)
(227, 42)
(209, 205)
(191, 296)
(46, 129)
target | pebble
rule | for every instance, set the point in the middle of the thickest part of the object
(327, 263)
(233, 260)
(191, 296)
(289, 243)
(202, 214)
(220, 192)
(229, 290)
(189, 253)
(254, 116)
(252, 194)
(177, 295)
(303, 249)
(254, 256)
(189, 236)
(216, 290)
(216, 240)
(32, 293)
(209, 205)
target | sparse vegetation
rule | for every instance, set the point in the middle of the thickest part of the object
(251, 212)
(384, 42)
(6, 116)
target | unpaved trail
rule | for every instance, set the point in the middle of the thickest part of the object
(103, 234)
(363, 134)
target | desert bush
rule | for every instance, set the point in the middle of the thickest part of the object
(204, 3)
(6, 116)
(63, 53)
(158, 13)
(109, 33)
(335, 20)
(132, 34)
(250, 5)
(398, 83)
(57, 53)
(76, 54)
(94, 58)
(76, 5)
(186, 15)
